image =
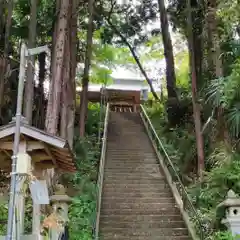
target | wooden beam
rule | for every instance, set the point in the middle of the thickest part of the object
(39, 157)
(48, 151)
(31, 145)
(7, 153)
(65, 153)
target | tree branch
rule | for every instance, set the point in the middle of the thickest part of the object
(135, 57)
(114, 28)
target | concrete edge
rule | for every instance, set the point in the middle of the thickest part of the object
(174, 189)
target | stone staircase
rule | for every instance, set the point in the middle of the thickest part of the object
(137, 202)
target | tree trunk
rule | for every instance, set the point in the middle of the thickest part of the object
(68, 90)
(197, 29)
(217, 65)
(54, 33)
(53, 108)
(29, 88)
(65, 86)
(8, 26)
(40, 116)
(196, 107)
(73, 59)
(215, 62)
(168, 51)
(87, 63)
(3, 61)
(2, 23)
(57, 70)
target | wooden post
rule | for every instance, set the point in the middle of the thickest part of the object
(36, 214)
(20, 203)
(134, 108)
(36, 225)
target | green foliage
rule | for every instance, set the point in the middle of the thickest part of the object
(152, 50)
(182, 71)
(3, 218)
(21, 16)
(223, 236)
(224, 92)
(82, 210)
(179, 142)
(212, 190)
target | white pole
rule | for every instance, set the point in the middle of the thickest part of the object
(11, 208)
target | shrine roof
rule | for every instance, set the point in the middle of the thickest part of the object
(46, 150)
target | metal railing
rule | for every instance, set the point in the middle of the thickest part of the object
(175, 178)
(101, 173)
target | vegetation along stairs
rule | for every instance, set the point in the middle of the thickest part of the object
(136, 200)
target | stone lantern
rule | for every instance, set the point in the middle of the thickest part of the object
(60, 203)
(232, 209)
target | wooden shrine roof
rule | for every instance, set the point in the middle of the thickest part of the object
(130, 96)
(47, 151)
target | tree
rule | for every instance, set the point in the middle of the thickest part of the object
(68, 88)
(87, 63)
(168, 51)
(196, 107)
(29, 88)
(5, 39)
(59, 48)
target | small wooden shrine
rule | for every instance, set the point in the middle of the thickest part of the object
(38, 152)
(117, 98)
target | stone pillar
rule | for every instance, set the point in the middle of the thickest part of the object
(232, 210)
(60, 202)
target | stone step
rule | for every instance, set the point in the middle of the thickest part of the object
(135, 175)
(134, 161)
(128, 157)
(142, 152)
(130, 149)
(161, 211)
(140, 218)
(139, 195)
(130, 164)
(129, 232)
(147, 225)
(137, 202)
(139, 206)
(153, 167)
(118, 237)
(134, 181)
(126, 128)
(119, 200)
(123, 190)
(136, 186)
